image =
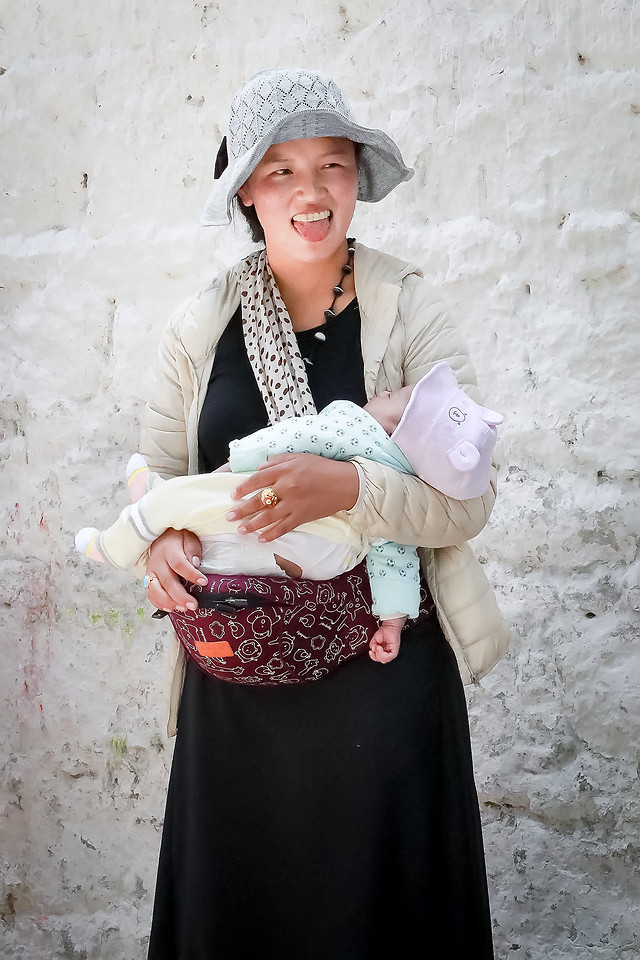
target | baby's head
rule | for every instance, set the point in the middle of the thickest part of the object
(447, 438)
(388, 407)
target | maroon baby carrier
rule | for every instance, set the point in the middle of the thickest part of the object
(250, 629)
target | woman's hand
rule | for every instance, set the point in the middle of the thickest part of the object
(175, 554)
(309, 487)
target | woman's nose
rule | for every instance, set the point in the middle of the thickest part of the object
(311, 185)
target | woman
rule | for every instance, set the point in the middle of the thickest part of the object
(335, 818)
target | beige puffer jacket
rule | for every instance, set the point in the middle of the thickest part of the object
(405, 331)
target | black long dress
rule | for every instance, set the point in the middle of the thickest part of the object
(330, 820)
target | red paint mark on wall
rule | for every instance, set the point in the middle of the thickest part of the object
(43, 523)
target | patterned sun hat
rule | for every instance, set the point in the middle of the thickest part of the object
(289, 104)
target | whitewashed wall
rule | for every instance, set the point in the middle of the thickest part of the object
(522, 119)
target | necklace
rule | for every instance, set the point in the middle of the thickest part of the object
(330, 314)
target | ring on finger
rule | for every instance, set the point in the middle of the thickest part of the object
(148, 580)
(268, 497)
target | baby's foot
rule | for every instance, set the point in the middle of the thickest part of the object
(137, 477)
(87, 543)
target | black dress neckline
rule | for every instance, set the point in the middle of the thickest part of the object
(233, 406)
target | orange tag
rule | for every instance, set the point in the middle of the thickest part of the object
(218, 648)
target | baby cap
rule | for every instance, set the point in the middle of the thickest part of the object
(447, 437)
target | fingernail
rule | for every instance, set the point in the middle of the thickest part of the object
(202, 581)
(231, 515)
(241, 530)
(192, 605)
(195, 561)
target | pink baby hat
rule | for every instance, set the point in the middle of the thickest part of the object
(447, 437)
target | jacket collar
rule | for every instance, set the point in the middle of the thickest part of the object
(378, 279)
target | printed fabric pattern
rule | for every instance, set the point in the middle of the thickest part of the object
(256, 114)
(341, 431)
(271, 344)
(291, 631)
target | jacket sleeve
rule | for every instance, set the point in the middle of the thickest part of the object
(397, 507)
(163, 439)
(410, 511)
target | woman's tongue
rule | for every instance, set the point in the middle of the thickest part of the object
(312, 230)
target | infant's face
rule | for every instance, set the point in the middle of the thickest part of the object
(388, 408)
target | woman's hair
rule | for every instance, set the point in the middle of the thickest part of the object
(250, 217)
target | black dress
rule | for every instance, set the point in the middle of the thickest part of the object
(330, 820)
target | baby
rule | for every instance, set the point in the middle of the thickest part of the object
(432, 430)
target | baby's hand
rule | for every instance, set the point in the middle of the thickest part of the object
(384, 645)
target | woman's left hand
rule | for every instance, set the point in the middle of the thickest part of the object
(308, 488)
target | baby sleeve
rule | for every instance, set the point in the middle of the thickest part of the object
(394, 575)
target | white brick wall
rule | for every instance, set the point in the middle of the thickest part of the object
(522, 121)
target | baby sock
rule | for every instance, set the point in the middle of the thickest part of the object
(87, 543)
(137, 477)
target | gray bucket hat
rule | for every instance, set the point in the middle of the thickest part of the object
(289, 104)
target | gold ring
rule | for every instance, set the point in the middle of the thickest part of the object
(147, 580)
(269, 497)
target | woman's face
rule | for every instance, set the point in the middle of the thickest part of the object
(304, 193)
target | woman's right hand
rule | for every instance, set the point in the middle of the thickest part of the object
(174, 555)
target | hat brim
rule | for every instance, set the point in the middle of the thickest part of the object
(380, 169)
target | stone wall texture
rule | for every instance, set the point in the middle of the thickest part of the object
(522, 120)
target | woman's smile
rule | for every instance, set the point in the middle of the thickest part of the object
(312, 226)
